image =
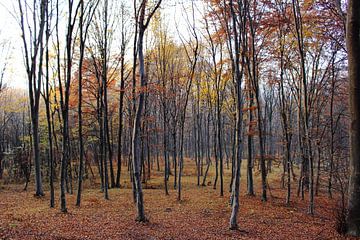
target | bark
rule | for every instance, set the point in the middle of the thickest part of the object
(32, 54)
(253, 75)
(174, 151)
(305, 102)
(193, 61)
(136, 144)
(121, 96)
(107, 152)
(238, 139)
(285, 116)
(165, 137)
(353, 48)
(48, 115)
(250, 180)
(332, 132)
(81, 144)
(83, 30)
(208, 160)
(64, 101)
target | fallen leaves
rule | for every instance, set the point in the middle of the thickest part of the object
(202, 214)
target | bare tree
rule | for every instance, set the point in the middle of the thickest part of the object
(86, 15)
(123, 77)
(239, 60)
(72, 13)
(192, 53)
(33, 47)
(142, 22)
(304, 106)
(46, 97)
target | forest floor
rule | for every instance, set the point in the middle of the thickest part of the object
(202, 214)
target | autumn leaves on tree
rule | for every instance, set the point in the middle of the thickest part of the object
(119, 96)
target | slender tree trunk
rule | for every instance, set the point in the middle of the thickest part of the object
(317, 182)
(34, 72)
(48, 116)
(165, 139)
(250, 180)
(208, 160)
(238, 75)
(174, 155)
(219, 136)
(304, 99)
(332, 132)
(215, 153)
(81, 144)
(136, 145)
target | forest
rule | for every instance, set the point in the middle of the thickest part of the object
(184, 119)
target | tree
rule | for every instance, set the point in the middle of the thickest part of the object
(46, 97)
(304, 101)
(33, 47)
(84, 23)
(252, 70)
(142, 22)
(162, 73)
(65, 94)
(353, 48)
(285, 107)
(216, 49)
(123, 78)
(238, 58)
(192, 54)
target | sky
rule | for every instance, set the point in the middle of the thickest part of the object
(15, 75)
(9, 30)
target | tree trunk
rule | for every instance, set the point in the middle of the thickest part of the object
(136, 144)
(238, 75)
(250, 180)
(48, 117)
(353, 48)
